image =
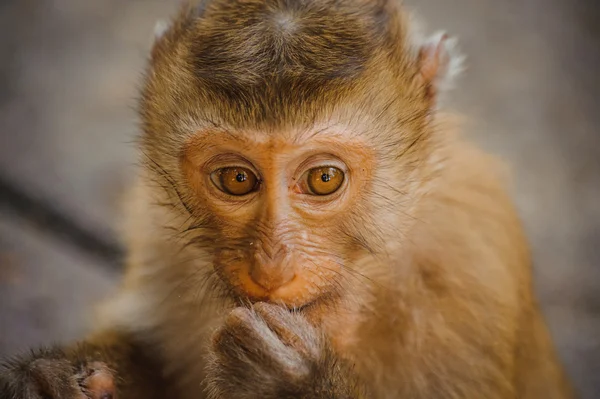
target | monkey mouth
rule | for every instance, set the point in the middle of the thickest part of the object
(245, 300)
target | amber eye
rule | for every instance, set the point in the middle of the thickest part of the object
(323, 180)
(235, 180)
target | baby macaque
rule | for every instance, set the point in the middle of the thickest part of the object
(308, 223)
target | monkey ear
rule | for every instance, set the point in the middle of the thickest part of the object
(440, 63)
(160, 28)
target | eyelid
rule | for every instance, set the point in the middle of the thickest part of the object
(230, 160)
(321, 161)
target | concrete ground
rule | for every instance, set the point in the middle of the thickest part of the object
(68, 76)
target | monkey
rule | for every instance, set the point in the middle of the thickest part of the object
(308, 222)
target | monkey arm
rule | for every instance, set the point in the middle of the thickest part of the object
(109, 365)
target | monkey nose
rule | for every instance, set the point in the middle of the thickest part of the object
(271, 274)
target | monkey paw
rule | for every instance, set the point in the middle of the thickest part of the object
(50, 375)
(264, 352)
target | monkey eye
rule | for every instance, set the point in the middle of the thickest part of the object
(235, 180)
(323, 180)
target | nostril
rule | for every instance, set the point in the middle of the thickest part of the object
(271, 275)
(257, 276)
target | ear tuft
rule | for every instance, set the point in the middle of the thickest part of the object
(160, 28)
(441, 62)
(439, 59)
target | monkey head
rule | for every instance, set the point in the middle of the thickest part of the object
(292, 138)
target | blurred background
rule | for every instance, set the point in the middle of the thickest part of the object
(69, 70)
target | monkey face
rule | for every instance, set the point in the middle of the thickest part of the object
(280, 204)
(297, 151)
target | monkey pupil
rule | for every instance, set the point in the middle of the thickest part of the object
(325, 177)
(241, 177)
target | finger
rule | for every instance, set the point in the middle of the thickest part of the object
(244, 330)
(100, 382)
(55, 378)
(292, 329)
(280, 321)
(246, 338)
(249, 329)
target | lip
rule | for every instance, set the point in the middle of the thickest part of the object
(244, 300)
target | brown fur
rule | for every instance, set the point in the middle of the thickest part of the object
(425, 283)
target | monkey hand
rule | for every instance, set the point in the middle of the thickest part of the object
(51, 374)
(269, 352)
